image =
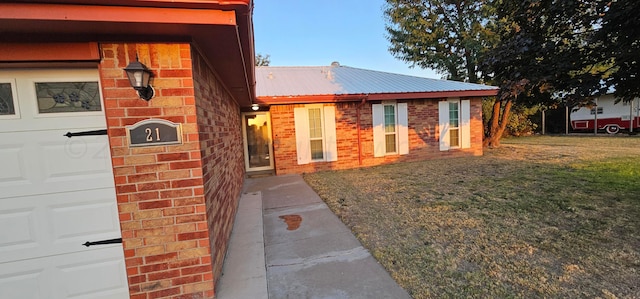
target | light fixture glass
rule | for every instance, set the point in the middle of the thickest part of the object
(255, 107)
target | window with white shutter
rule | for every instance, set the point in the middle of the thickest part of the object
(455, 124)
(390, 129)
(315, 127)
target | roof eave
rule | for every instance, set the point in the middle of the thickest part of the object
(435, 94)
(207, 24)
(308, 99)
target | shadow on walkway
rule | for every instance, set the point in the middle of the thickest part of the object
(308, 251)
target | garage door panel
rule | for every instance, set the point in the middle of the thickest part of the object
(75, 158)
(22, 234)
(56, 163)
(12, 164)
(88, 219)
(22, 284)
(79, 275)
(57, 223)
(56, 193)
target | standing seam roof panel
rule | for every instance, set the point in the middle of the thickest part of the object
(343, 80)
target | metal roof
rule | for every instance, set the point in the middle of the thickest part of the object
(344, 80)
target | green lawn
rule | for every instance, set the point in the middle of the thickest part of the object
(539, 217)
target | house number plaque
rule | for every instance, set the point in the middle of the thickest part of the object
(151, 132)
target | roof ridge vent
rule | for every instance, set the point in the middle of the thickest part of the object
(335, 63)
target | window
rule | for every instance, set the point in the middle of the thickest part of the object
(7, 99)
(390, 129)
(57, 97)
(315, 128)
(599, 109)
(315, 134)
(454, 122)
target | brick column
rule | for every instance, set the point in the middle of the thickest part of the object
(159, 188)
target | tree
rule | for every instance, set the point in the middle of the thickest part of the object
(618, 44)
(543, 56)
(263, 60)
(449, 36)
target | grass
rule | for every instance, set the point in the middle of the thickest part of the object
(539, 217)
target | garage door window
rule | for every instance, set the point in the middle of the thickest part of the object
(61, 97)
(7, 100)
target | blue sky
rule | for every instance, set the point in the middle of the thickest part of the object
(318, 32)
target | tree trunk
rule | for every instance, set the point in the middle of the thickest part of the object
(498, 123)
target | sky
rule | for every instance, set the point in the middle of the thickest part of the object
(319, 32)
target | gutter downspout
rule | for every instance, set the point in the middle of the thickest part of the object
(244, 66)
(364, 100)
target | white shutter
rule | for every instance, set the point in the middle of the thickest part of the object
(378, 130)
(465, 123)
(443, 113)
(331, 144)
(403, 129)
(303, 148)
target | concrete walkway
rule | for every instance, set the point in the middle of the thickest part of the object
(308, 251)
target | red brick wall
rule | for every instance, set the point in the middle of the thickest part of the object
(220, 133)
(165, 196)
(423, 136)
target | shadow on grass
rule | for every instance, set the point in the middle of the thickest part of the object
(495, 227)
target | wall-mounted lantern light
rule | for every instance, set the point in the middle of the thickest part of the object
(139, 76)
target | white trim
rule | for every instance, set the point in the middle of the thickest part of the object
(465, 124)
(443, 122)
(378, 130)
(303, 148)
(403, 128)
(330, 138)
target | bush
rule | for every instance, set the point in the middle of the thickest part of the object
(520, 123)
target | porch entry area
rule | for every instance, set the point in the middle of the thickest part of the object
(258, 145)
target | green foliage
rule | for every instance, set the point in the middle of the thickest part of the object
(520, 119)
(449, 36)
(540, 52)
(520, 123)
(543, 57)
(618, 42)
(487, 106)
(542, 46)
(263, 60)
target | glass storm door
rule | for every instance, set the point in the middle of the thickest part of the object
(258, 152)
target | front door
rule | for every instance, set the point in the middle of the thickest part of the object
(258, 150)
(56, 192)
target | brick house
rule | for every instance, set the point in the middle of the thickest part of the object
(71, 194)
(171, 203)
(338, 117)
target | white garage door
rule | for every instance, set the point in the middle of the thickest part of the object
(56, 193)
